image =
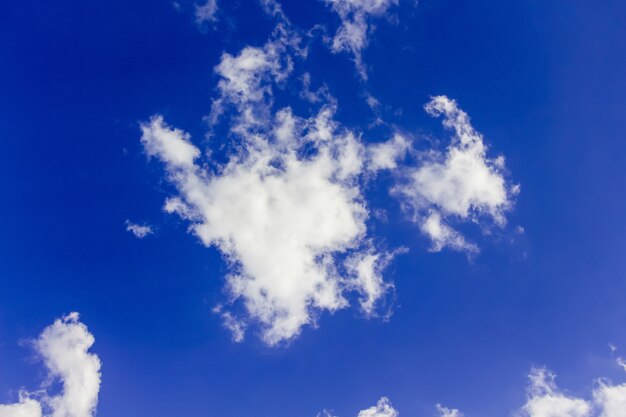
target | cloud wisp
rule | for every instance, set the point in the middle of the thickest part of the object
(64, 348)
(352, 35)
(138, 230)
(382, 408)
(458, 184)
(207, 12)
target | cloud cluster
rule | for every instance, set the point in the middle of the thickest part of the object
(383, 408)
(545, 399)
(353, 32)
(64, 348)
(285, 203)
(459, 184)
(292, 225)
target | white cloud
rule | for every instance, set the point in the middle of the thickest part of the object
(284, 221)
(546, 400)
(461, 183)
(352, 34)
(64, 347)
(179, 152)
(443, 235)
(367, 268)
(611, 399)
(140, 231)
(382, 409)
(206, 12)
(272, 8)
(27, 407)
(385, 155)
(448, 412)
(246, 79)
(318, 96)
(286, 209)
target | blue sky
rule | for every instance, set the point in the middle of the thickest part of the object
(474, 284)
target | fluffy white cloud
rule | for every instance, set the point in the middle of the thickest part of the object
(382, 409)
(286, 209)
(352, 34)
(27, 407)
(64, 347)
(448, 412)
(546, 400)
(611, 399)
(385, 155)
(461, 183)
(179, 153)
(284, 204)
(139, 230)
(206, 12)
(283, 220)
(246, 79)
(443, 235)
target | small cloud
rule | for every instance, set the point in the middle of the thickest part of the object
(459, 184)
(382, 409)
(207, 12)
(140, 231)
(64, 348)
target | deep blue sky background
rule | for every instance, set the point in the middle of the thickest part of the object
(545, 82)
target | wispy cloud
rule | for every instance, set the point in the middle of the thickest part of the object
(207, 12)
(138, 230)
(352, 35)
(459, 184)
(286, 207)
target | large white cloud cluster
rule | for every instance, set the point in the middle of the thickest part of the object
(285, 206)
